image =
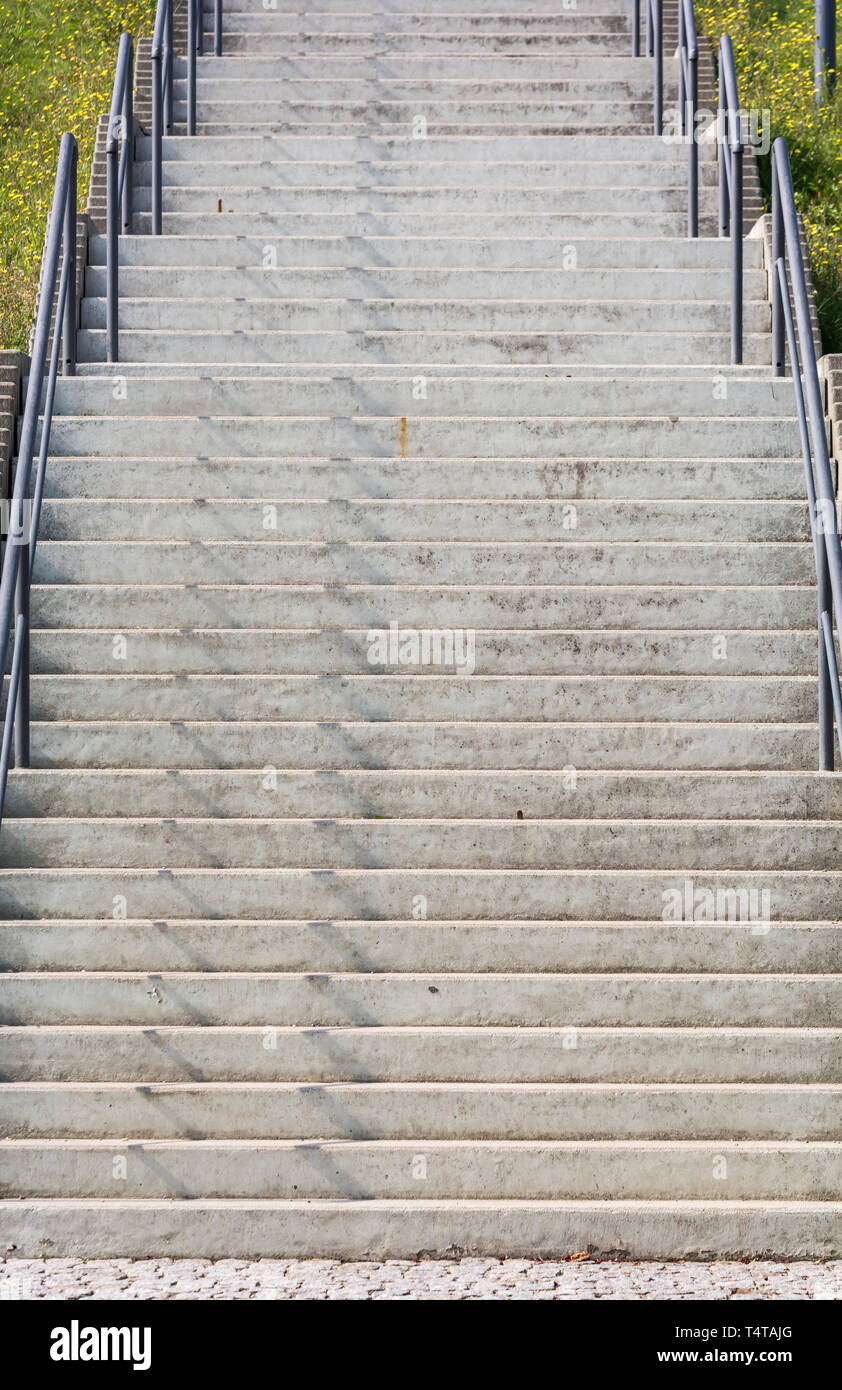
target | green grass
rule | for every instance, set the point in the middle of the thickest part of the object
(773, 49)
(56, 71)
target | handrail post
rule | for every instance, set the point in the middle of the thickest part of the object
(127, 206)
(217, 28)
(721, 138)
(157, 134)
(693, 151)
(168, 68)
(737, 251)
(636, 29)
(778, 324)
(657, 12)
(68, 328)
(111, 253)
(192, 6)
(22, 710)
(824, 598)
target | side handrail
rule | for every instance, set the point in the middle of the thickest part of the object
(654, 49)
(119, 156)
(688, 100)
(821, 496)
(729, 140)
(655, 46)
(24, 515)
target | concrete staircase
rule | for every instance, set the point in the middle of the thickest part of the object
(314, 947)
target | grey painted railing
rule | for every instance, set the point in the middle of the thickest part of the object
(24, 515)
(655, 50)
(688, 101)
(120, 140)
(119, 158)
(729, 139)
(790, 278)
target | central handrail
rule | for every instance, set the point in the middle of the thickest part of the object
(119, 174)
(688, 100)
(655, 50)
(821, 496)
(729, 140)
(24, 516)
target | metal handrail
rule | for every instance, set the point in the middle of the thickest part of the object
(729, 140)
(19, 553)
(119, 157)
(654, 49)
(688, 100)
(824, 523)
(163, 63)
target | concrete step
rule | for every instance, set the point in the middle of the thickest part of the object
(115, 607)
(749, 744)
(490, 652)
(473, 947)
(567, 114)
(372, 1110)
(370, 521)
(380, 1229)
(313, 8)
(376, 145)
(451, 250)
(146, 282)
(698, 846)
(324, 394)
(425, 696)
(196, 560)
(421, 793)
(449, 197)
(311, 24)
(366, 316)
(372, 44)
(512, 479)
(214, 93)
(453, 1169)
(569, 894)
(692, 345)
(425, 223)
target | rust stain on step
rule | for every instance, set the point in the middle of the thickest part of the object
(402, 431)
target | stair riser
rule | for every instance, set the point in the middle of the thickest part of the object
(415, 248)
(249, 793)
(498, 397)
(351, 1230)
(421, 437)
(723, 699)
(370, 44)
(245, 606)
(498, 1172)
(348, 1230)
(311, 25)
(478, 947)
(487, 1055)
(408, 347)
(236, 652)
(419, 1113)
(343, 894)
(446, 197)
(236, 745)
(695, 846)
(266, 562)
(402, 171)
(377, 144)
(424, 223)
(416, 316)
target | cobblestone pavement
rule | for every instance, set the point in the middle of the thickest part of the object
(432, 1279)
